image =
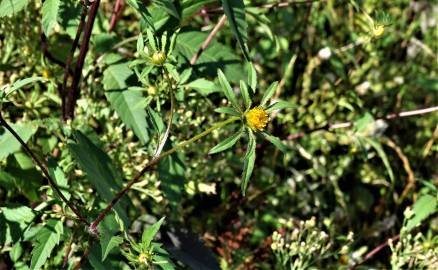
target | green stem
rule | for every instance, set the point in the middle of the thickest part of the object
(119, 195)
(199, 136)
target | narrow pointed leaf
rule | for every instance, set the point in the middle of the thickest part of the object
(379, 149)
(228, 91)
(275, 141)
(245, 94)
(235, 12)
(252, 78)
(151, 39)
(269, 93)
(280, 105)
(149, 233)
(249, 161)
(227, 143)
(108, 243)
(227, 110)
(140, 44)
(168, 6)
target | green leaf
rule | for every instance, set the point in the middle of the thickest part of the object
(275, 141)
(168, 6)
(227, 110)
(269, 93)
(141, 9)
(12, 7)
(47, 238)
(58, 175)
(164, 262)
(235, 12)
(128, 104)
(245, 94)
(20, 214)
(215, 56)
(8, 143)
(151, 40)
(203, 86)
(252, 78)
(280, 105)
(107, 230)
(156, 120)
(227, 143)
(379, 149)
(108, 243)
(16, 252)
(171, 173)
(249, 161)
(228, 91)
(425, 206)
(100, 171)
(50, 15)
(149, 233)
(20, 83)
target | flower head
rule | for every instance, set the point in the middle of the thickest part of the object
(256, 118)
(378, 30)
(158, 58)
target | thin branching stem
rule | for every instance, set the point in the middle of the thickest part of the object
(44, 169)
(119, 195)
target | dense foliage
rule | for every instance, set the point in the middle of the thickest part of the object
(206, 134)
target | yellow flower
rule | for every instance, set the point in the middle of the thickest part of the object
(378, 30)
(256, 118)
(158, 58)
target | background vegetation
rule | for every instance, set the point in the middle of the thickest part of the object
(105, 95)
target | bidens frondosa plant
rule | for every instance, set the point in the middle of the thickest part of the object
(254, 119)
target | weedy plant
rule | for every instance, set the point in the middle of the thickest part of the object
(116, 114)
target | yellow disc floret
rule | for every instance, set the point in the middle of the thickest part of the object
(158, 58)
(378, 30)
(256, 119)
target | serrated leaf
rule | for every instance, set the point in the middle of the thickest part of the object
(47, 238)
(59, 177)
(280, 105)
(128, 104)
(227, 90)
(245, 94)
(108, 243)
(100, 171)
(20, 214)
(150, 232)
(11, 7)
(249, 161)
(227, 110)
(8, 143)
(425, 206)
(50, 15)
(269, 93)
(227, 143)
(275, 141)
(235, 12)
